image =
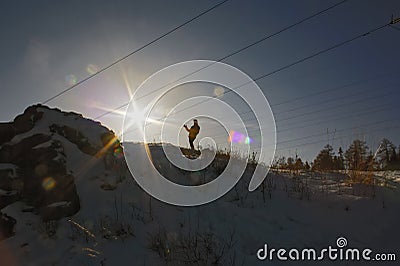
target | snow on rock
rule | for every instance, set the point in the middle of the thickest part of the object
(8, 192)
(47, 117)
(42, 154)
(46, 144)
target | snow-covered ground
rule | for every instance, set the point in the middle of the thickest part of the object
(127, 227)
(120, 224)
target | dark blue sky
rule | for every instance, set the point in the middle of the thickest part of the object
(45, 42)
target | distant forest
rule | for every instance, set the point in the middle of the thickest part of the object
(357, 156)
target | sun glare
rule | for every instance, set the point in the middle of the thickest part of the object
(127, 84)
(107, 109)
(137, 120)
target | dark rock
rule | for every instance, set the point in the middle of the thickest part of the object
(26, 121)
(7, 132)
(17, 152)
(67, 208)
(5, 154)
(5, 179)
(7, 224)
(9, 198)
(10, 187)
(64, 191)
(42, 180)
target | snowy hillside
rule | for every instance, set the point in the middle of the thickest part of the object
(67, 198)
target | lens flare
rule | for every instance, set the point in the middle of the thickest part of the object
(237, 137)
(48, 183)
(92, 69)
(118, 153)
(70, 80)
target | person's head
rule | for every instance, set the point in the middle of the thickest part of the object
(195, 121)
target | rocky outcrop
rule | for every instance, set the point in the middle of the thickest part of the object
(43, 175)
(21, 124)
(40, 178)
(27, 120)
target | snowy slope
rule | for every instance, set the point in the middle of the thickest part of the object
(119, 224)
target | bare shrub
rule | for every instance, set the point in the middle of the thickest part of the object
(199, 248)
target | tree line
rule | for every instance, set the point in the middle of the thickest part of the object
(357, 156)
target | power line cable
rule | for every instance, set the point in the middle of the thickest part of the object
(362, 113)
(394, 27)
(341, 87)
(328, 100)
(333, 107)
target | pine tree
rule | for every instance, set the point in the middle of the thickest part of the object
(393, 154)
(307, 166)
(290, 163)
(340, 159)
(299, 164)
(356, 155)
(324, 160)
(398, 154)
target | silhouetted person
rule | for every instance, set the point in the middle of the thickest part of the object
(193, 131)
